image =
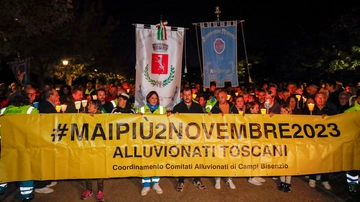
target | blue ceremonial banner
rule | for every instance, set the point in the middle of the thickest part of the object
(219, 45)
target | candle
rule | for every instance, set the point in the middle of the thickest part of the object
(236, 94)
(77, 105)
(58, 108)
(63, 108)
(194, 96)
(263, 111)
(228, 97)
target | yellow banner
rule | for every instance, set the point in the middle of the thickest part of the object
(73, 146)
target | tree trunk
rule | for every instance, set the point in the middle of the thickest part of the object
(68, 79)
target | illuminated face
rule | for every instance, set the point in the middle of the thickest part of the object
(121, 102)
(101, 96)
(239, 102)
(292, 88)
(269, 99)
(343, 99)
(246, 97)
(92, 107)
(78, 95)
(55, 98)
(212, 88)
(255, 109)
(31, 94)
(292, 103)
(222, 97)
(273, 90)
(202, 101)
(251, 98)
(187, 97)
(261, 96)
(320, 99)
(153, 100)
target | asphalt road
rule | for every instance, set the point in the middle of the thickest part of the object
(128, 189)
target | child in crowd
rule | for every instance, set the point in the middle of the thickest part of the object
(253, 108)
(94, 107)
(285, 181)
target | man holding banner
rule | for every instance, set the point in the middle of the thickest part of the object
(188, 106)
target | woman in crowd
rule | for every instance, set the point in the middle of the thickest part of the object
(292, 102)
(94, 107)
(253, 108)
(240, 103)
(152, 106)
(123, 105)
(65, 94)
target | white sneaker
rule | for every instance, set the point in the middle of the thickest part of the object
(44, 190)
(52, 184)
(254, 181)
(145, 190)
(318, 177)
(217, 183)
(230, 183)
(326, 185)
(260, 179)
(312, 183)
(157, 188)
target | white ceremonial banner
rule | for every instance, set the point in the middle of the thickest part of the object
(158, 64)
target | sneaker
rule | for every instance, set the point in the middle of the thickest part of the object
(145, 190)
(180, 187)
(199, 184)
(260, 179)
(230, 183)
(100, 196)
(281, 186)
(157, 188)
(52, 184)
(253, 181)
(353, 187)
(217, 183)
(274, 178)
(326, 185)
(312, 183)
(29, 198)
(87, 193)
(287, 187)
(45, 190)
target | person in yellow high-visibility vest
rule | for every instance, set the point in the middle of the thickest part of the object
(20, 104)
(152, 106)
(211, 102)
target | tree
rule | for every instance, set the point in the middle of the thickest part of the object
(23, 19)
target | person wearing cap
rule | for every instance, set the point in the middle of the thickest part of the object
(152, 106)
(353, 176)
(123, 105)
(20, 104)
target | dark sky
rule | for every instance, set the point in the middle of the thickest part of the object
(268, 26)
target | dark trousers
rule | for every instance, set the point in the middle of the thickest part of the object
(324, 177)
(100, 184)
(181, 179)
(42, 184)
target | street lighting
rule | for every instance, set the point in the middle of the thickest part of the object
(65, 62)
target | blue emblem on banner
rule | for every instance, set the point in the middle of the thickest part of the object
(219, 45)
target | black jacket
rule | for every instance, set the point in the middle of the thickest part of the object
(216, 109)
(46, 107)
(182, 108)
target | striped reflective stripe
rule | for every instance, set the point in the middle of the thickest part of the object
(113, 103)
(146, 180)
(350, 178)
(29, 110)
(142, 110)
(26, 190)
(2, 110)
(155, 179)
(3, 185)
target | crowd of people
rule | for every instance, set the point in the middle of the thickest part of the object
(328, 98)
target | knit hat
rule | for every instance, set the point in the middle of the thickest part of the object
(124, 96)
